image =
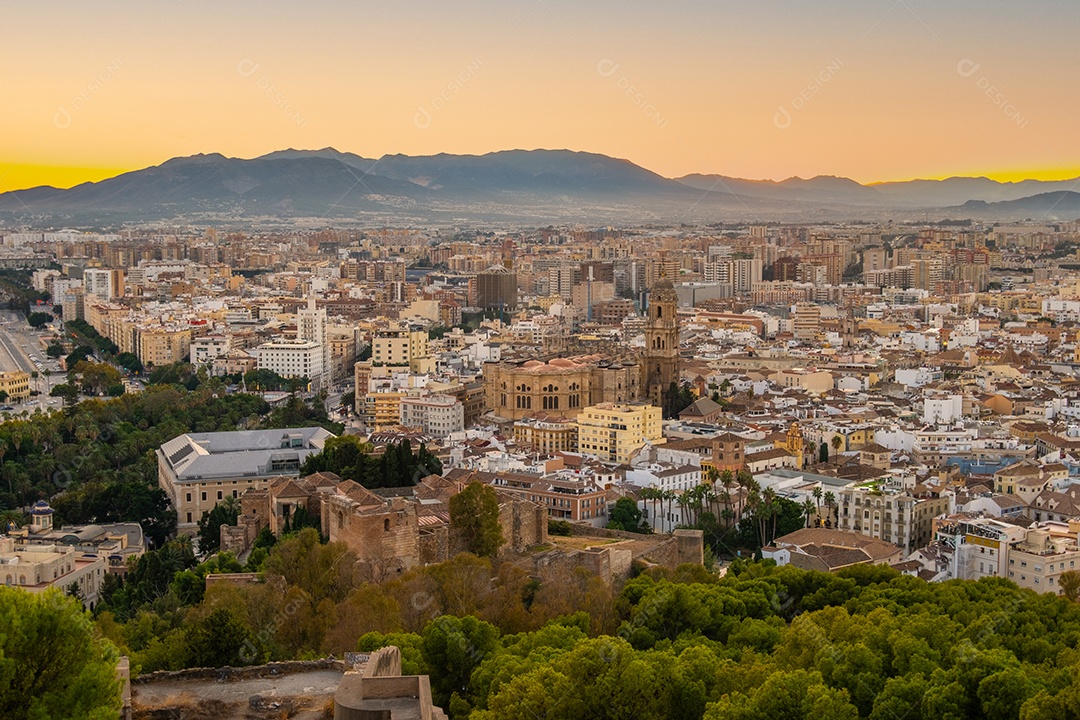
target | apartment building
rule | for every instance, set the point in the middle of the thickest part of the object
(435, 415)
(1047, 551)
(615, 432)
(292, 358)
(163, 345)
(547, 435)
(204, 350)
(888, 514)
(401, 345)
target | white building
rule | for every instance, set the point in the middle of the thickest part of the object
(311, 326)
(292, 358)
(206, 349)
(943, 410)
(435, 415)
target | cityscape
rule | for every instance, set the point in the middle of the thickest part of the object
(771, 415)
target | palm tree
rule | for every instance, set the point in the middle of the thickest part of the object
(727, 479)
(808, 510)
(11, 518)
(817, 495)
(651, 495)
(830, 503)
(836, 442)
(745, 482)
(684, 502)
(670, 497)
(770, 503)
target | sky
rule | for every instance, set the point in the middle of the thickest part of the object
(874, 90)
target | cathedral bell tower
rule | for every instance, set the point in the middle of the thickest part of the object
(660, 361)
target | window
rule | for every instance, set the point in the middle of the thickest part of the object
(386, 525)
(204, 497)
(189, 497)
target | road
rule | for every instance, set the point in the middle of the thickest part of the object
(20, 349)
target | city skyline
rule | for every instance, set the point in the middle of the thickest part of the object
(872, 91)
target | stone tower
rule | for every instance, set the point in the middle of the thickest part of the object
(660, 361)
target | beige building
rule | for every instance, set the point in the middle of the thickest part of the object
(163, 345)
(616, 433)
(380, 410)
(36, 568)
(435, 415)
(1037, 561)
(897, 517)
(401, 346)
(813, 381)
(546, 435)
(806, 321)
(16, 383)
(198, 470)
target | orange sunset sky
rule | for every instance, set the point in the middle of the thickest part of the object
(870, 90)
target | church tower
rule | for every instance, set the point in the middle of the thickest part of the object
(660, 361)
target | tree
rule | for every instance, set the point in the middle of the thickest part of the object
(223, 513)
(626, 516)
(675, 399)
(54, 350)
(39, 319)
(220, 640)
(453, 648)
(830, 504)
(68, 391)
(836, 443)
(51, 663)
(1070, 584)
(823, 452)
(130, 361)
(474, 513)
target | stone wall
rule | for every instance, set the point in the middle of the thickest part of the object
(229, 674)
(434, 544)
(524, 524)
(582, 530)
(386, 540)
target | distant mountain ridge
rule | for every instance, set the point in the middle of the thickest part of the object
(509, 185)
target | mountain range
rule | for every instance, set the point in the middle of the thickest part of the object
(530, 186)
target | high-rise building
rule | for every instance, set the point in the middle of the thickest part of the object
(744, 273)
(807, 319)
(103, 283)
(496, 289)
(311, 327)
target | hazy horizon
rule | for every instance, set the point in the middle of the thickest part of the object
(873, 91)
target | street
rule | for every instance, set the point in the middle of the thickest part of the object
(20, 349)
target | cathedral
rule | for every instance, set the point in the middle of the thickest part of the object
(562, 386)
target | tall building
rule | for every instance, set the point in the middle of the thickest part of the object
(496, 289)
(660, 361)
(311, 327)
(807, 321)
(744, 273)
(103, 283)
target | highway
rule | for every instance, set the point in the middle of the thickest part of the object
(20, 349)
